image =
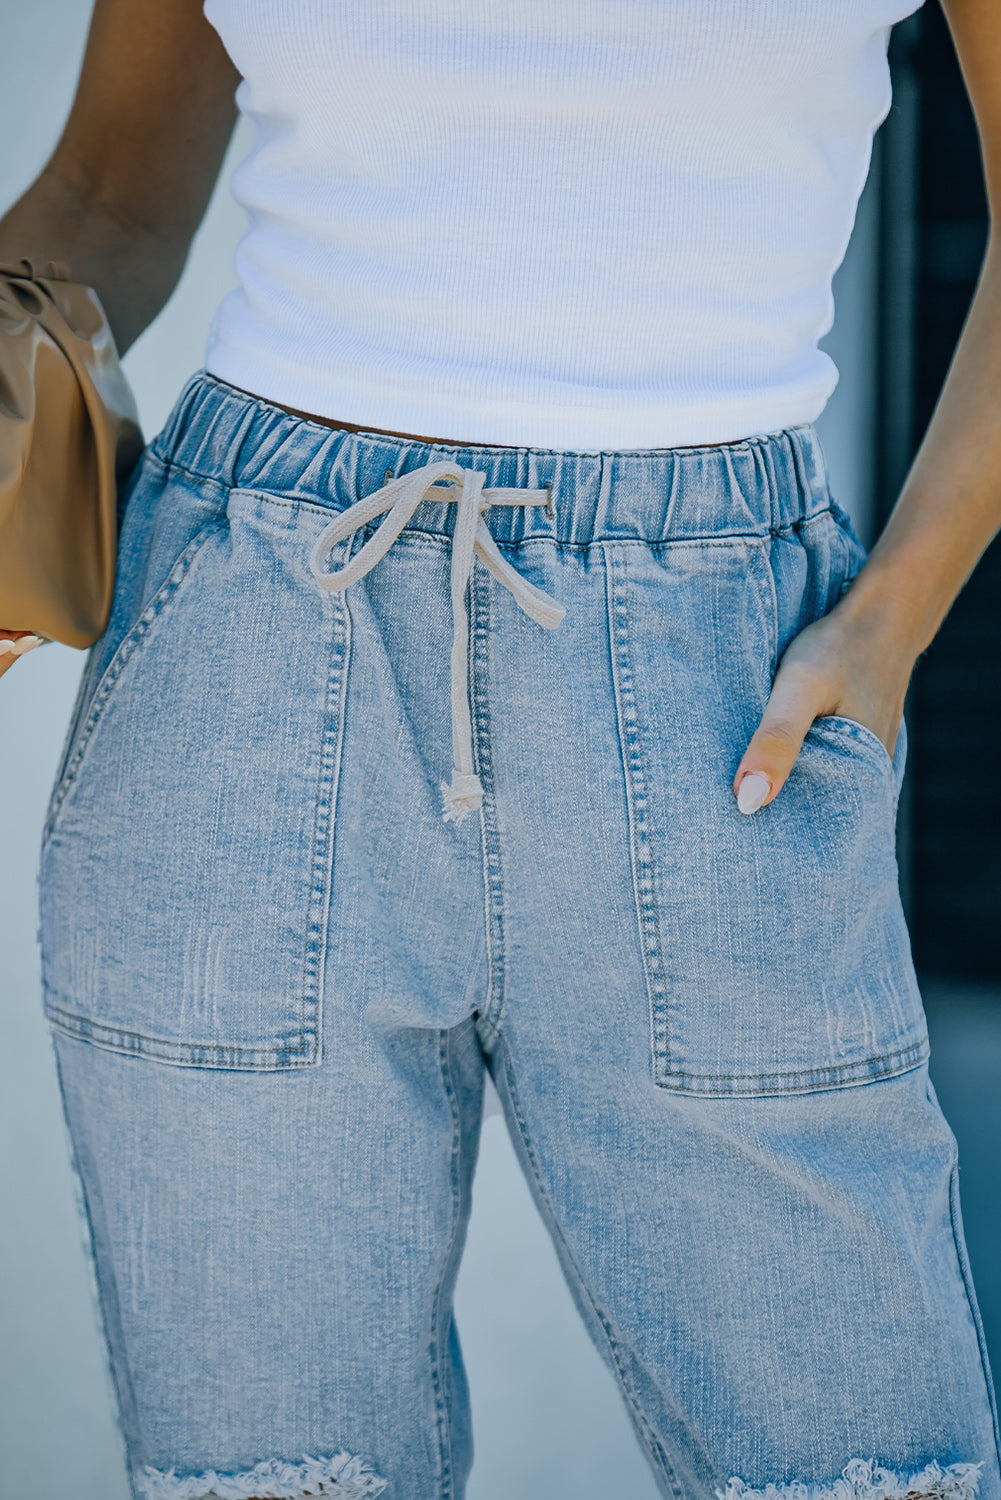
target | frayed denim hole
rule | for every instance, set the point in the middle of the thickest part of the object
(864, 1479)
(342, 1477)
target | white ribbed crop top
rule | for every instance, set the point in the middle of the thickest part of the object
(584, 224)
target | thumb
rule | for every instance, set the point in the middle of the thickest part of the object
(776, 742)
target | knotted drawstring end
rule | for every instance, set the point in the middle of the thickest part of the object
(464, 796)
(464, 488)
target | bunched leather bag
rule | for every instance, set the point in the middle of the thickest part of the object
(69, 437)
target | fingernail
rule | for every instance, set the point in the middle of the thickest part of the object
(753, 790)
(20, 646)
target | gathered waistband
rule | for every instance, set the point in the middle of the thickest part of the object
(754, 486)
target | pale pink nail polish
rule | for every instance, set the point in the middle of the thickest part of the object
(753, 790)
(18, 648)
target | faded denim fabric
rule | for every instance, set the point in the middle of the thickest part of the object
(276, 975)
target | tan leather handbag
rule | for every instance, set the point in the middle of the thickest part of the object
(69, 436)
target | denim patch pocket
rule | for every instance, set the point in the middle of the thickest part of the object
(186, 860)
(775, 947)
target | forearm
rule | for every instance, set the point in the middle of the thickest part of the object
(857, 660)
(133, 269)
(950, 506)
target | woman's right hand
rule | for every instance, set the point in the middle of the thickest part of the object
(15, 643)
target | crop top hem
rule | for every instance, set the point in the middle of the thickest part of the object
(481, 420)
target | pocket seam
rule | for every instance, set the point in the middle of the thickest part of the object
(855, 730)
(280, 1052)
(790, 1081)
(131, 642)
(799, 1080)
(764, 578)
(179, 1054)
(637, 804)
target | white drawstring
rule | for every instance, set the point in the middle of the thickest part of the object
(401, 498)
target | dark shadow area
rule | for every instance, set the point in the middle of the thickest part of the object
(932, 234)
(965, 1025)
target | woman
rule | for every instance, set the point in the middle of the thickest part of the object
(588, 249)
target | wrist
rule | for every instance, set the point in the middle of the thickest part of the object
(133, 270)
(876, 604)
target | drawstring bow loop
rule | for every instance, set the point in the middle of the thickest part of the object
(400, 497)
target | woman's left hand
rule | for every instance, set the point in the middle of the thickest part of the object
(837, 665)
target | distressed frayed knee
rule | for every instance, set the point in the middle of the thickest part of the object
(862, 1480)
(342, 1477)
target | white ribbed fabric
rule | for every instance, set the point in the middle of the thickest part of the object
(584, 224)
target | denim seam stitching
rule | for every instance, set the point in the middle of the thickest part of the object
(324, 834)
(493, 868)
(434, 1348)
(860, 734)
(654, 1447)
(644, 885)
(118, 1039)
(288, 498)
(441, 540)
(123, 655)
(169, 466)
(637, 798)
(433, 539)
(760, 570)
(81, 710)
(863, 1071)
(197, 1054)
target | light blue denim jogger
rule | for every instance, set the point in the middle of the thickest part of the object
(275, 971)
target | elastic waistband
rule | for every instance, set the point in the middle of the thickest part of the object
(760, 484)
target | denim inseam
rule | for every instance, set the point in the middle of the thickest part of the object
(276, 974)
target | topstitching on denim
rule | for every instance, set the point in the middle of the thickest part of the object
(131, 642)
(822, 1059)
(492, 1008)
(286, 1031)
(613, 1350)
(210, 433)
(298, 1232)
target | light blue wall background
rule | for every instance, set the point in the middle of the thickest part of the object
(548, 1418)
